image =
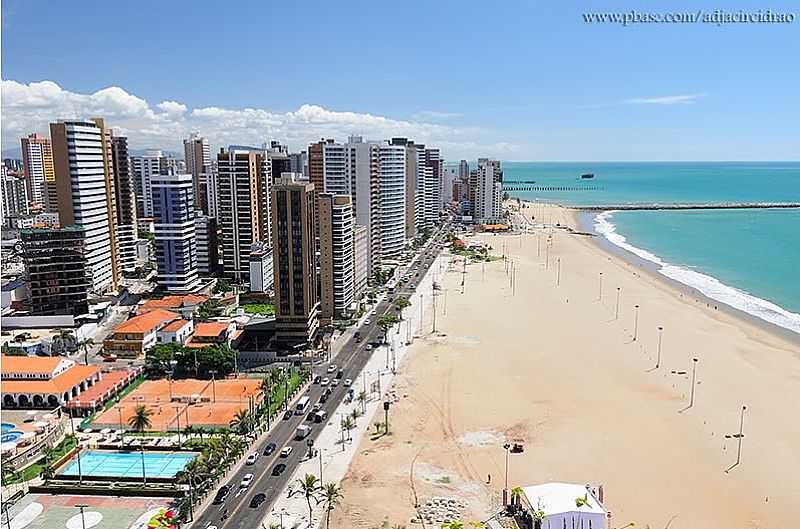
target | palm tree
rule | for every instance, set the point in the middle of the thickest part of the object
(140, 420)
(47, 471)
(9, 473)
(385, 322)
(355, 414)
(362, 399)
(401, 303)
(85, 345)
(309, 487)
(241, 421)
(331, 494)
(348, 424)
(64, 336)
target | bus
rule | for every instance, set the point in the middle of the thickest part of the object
(302, 406)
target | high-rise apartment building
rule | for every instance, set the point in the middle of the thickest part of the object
(197, 154)
(82, 159)
(205, 229)
(488, 191)
(413, 185)
(294, 261)
(56, 270)
(433, 187)
(176, 250)
(125, 200)
(144, 169)
(360, 260)
(336, 266)
(209, 187)
(244, 206)
(14, 196)
(37, 167)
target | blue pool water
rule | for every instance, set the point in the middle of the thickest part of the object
(128, 464)
(9, 436)
(743, 258)
(6, 426)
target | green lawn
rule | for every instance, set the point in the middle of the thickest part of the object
(263, 309)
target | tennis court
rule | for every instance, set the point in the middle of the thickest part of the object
(111, 463)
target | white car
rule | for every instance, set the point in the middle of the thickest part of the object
(369, 347)
(347, 382)
(286, 451)
(252, 458)
(335, 382)
(331, 368)
(325, 381)
(373, 312)
(246, 481)
(367, 321)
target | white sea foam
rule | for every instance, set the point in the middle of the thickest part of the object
(707, 285)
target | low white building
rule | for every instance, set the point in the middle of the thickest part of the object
(261, 276)
(564, 505)
(177, 331)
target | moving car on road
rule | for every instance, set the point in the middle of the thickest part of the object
(222, 493)
(257, 500)
(252, 458)
(278, 469)
(246, 481)
(286, 451)
(332, 368)
(269, 449)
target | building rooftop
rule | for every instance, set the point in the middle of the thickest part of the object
(171, 302)
(146, 322)
(58, 384)
(175, 326)
(559, 498)
(42, 365)
(210, 329)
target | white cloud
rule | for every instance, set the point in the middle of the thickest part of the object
(665, 100)
(31, 107)
(435, 115)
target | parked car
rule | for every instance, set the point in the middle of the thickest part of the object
(335, 382)
(288, 414)
(317, 379)
(316, 407)
(269, 449)
(367, 321)
(257, 500)
(286, 451)
(278, 469)
(348, 382)
(246, 481)
(325, 381)
(369, 347)
(251, 459)
(332, 368)
(340, 373)
(222, 493)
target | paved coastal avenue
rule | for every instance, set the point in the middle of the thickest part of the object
(267, 480)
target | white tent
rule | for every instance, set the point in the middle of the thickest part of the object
(559, 502)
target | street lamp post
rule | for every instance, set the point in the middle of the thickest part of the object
(82, 506)
(558, 272)
(77, 451)
(739, 436)
(616, 310)
(600, 293)
(507, 447)
(178, 418)
(635, 322)
(213, 383)
(658, 350)
(694, 378)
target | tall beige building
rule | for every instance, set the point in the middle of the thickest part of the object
(294, 261)
(197, 154)
(84, 172)
(336, 266)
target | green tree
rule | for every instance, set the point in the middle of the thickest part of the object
(209, 309)
(140, 420)
(217, 357)
(348, 424)
(158, 358)
(309, 488)
(385, 322)
(331, 495)
(242, 422)
(86, 345)
(362, 399)
(401, 303)
(222, 286)
(9, 473)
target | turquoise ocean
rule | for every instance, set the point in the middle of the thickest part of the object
(748, 259)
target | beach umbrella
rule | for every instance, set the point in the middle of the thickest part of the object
(105, 431)
(87, 430)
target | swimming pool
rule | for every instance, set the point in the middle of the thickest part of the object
(6, 426)
(111, 463)
(10, 436)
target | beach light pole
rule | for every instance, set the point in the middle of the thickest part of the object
(616, 310)
(178, 417)
(658, 349)
(635, 322)
(77, 451)
(738, 436)
(600, 291)
(507, 447)
(82, 506)
(558, 272)
(213, 383)
(694, 379)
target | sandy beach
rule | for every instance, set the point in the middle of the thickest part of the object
(551, 365)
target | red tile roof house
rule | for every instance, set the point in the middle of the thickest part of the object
(135, 336)
(186, 306)
(44, 382)
(177, 331)
(206, 334)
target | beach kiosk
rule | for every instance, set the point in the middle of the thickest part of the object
(561, 505)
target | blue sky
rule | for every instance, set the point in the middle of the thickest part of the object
(517, 80)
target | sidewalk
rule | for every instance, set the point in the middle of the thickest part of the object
(333, 457)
